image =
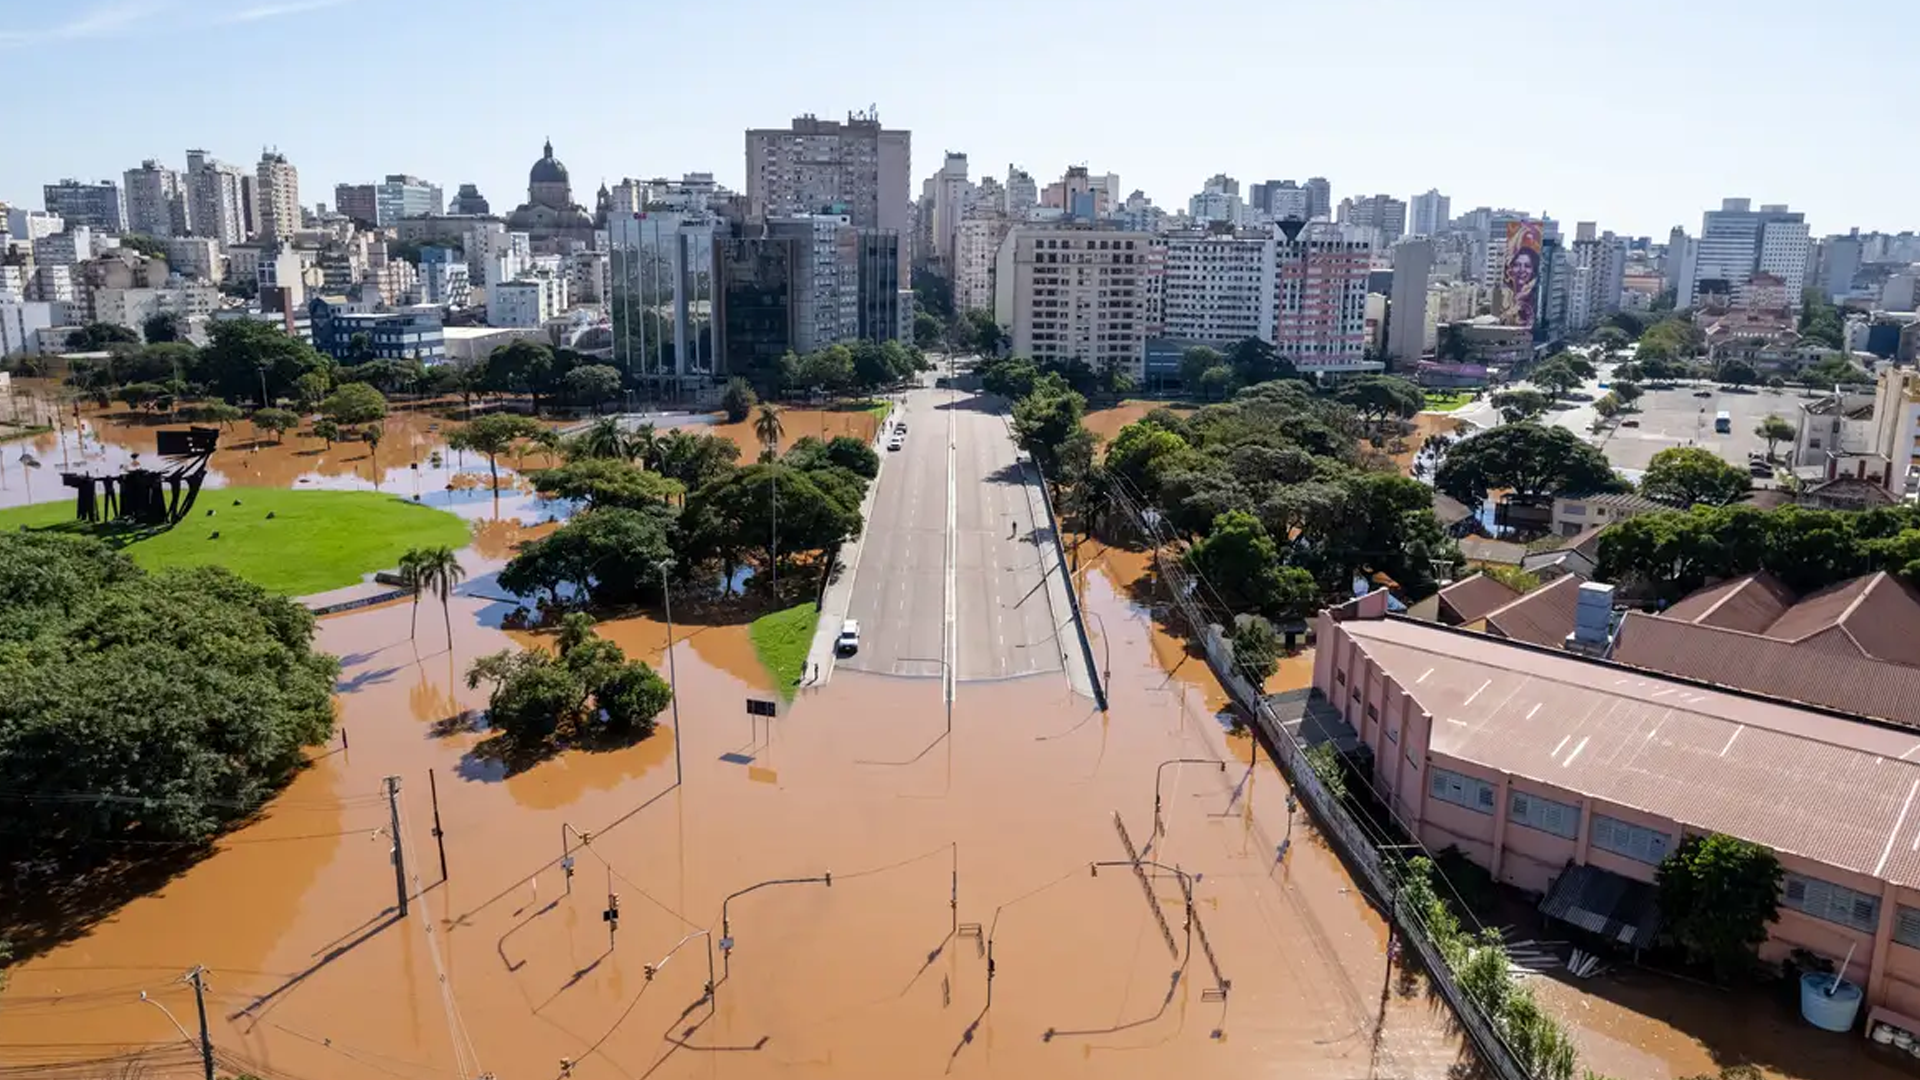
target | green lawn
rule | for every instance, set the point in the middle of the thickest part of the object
(317, 540)
(9, 432)
(782, 639)
(1447, 400)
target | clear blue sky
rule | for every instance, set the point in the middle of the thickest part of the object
(1637, 114)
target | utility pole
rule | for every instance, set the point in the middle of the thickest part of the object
(439, 834)
(673, 678)
(399, 856)
(198, 977)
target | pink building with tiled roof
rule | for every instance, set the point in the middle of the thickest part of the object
(1547, 767)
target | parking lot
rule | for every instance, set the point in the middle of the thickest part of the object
(1675, 417)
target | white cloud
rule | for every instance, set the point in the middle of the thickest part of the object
(274, 11)
(102, 21)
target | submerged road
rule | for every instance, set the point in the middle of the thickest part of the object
(954, 552)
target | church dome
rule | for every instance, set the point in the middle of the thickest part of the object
(548, 170)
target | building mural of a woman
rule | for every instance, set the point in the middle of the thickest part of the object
(1521, 279)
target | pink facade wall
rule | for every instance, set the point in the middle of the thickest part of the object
(1391, 722)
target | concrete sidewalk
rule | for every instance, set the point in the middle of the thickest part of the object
(839, 594)
(1066, 628)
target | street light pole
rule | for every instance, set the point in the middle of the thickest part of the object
(1106, 648)
(673, 678)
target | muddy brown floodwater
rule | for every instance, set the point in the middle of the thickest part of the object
(1106, 423)
(508, 965)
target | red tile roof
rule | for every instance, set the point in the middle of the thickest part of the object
(1876, 616)
(1811, 784)
(1471, 598)
(1837, 678)
(1751, 603)
(1542, 617)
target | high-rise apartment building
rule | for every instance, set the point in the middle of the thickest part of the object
(1429, 213)
(357, 202)
(1319, 198)
(1738, 242)
(952, 194)
(277, 195)
(1382, 212)
(216, 199)
(156, 201)
(1022, 193)
(401, 196)
(1075, 292)
(1840, 258)
(1596, 275)
(1320, 301)
(1407, 303)
(1677, 269)
(976, 249)
(98, 206)
(1219, 202)
(1216, 288)
(826, 282)
(1278, 200)
(857, 168)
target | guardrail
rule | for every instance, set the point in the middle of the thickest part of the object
(1073, 594)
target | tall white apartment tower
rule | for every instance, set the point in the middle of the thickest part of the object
(156, 201)
(952, 193)
(216, 199)
(277, 188)
(1428, 214)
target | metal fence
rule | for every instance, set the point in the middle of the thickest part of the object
(1337, 823)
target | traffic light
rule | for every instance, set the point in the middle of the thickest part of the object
(612, 915)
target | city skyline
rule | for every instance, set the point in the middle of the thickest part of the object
(1638, 152)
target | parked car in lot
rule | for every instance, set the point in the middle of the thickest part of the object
(848, 642)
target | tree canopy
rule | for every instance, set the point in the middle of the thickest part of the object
(1291, 460)
(1676, 552)
(243, 350)
(736, 516)
(604, 482)
(1043, 420)
(354, 403)
(494, 434)
(1377, 398)
(612, 555)
(1685, 475)
(1527, 458)
(1717, 895)
(158, 707)
(1524, 403)
(589, 691)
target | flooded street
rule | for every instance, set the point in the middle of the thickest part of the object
(509, 966)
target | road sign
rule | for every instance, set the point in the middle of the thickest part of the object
(759, 707)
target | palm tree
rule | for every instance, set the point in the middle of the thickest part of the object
(548, 440)
(410, 581)
(602, 439)
(439, 570)
(768, 427)
(643, 446)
